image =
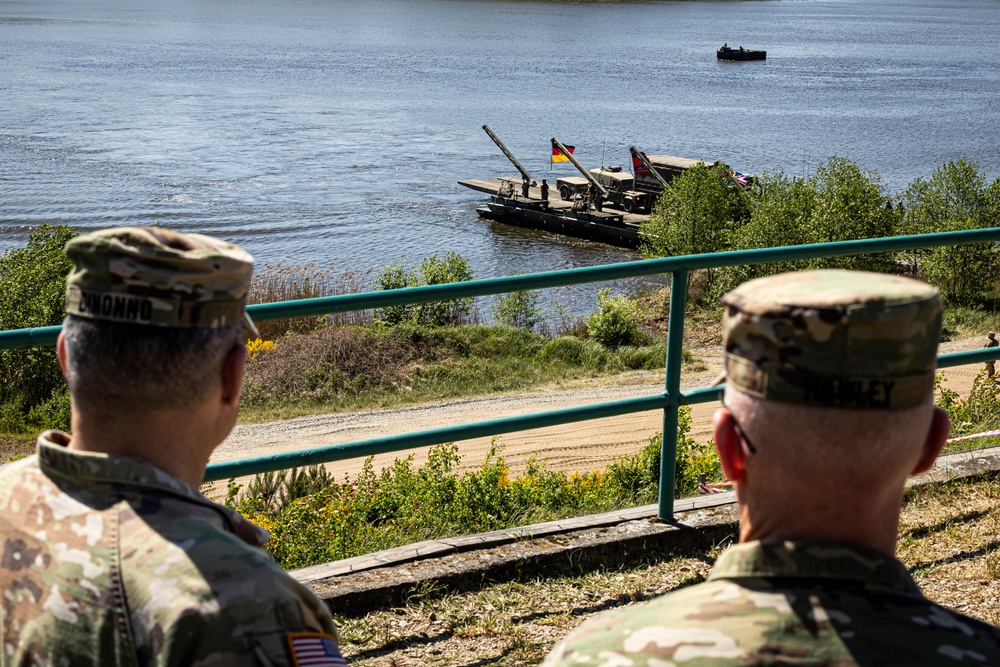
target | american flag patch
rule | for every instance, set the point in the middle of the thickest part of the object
(312, 649)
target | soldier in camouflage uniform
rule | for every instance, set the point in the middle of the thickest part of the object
(829, 409)
(111, 556)
(991, 365)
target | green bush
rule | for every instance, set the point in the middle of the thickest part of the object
(433, 270)
(780, 209)
(518, 309)
(695, 213)
(850, 204)
(956, 197)
(33, 294)
(977, 413)
(616, 320)
(642, 471)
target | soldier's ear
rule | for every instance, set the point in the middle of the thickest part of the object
(61, 352)
(729, 445)
(232, 374)
(937, 435)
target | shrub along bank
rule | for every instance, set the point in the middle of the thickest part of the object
(703, 210)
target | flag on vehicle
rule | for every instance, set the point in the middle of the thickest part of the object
(558, 155)
(742, 179)
(637, 166)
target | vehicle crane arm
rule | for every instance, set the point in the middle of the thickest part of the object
(641, 157)
(510, 156)
(586, 174)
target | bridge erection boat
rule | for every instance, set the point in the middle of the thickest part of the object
(607, 205)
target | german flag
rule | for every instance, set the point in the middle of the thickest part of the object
(558, 155)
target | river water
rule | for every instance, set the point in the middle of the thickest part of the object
(334, 131)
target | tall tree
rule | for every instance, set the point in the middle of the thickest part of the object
(694, 214)
(780, 209)
(850, 204)
(956, 197)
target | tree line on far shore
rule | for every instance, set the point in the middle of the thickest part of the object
(704, 210)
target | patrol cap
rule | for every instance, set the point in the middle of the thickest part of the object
(157, 277)
(833, 338)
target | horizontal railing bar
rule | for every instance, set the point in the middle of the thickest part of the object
(702, 395)
(37, 337)
(969, 357)
(486, 286)
(434, 436)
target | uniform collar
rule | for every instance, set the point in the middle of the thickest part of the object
(96, 471)
(814, 560)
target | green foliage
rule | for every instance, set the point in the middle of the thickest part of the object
(518, 309)
(780, 209)
(690, 462)
(406, 503)
(270, 490)
(956, 197)
(54, 412)
(395, 275)
(694, 213)
(433, 270)
(850, 204)
(616, 320)
(33, 294)
(975, 414)
(839, 202)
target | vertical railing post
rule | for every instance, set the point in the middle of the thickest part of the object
(675, 356)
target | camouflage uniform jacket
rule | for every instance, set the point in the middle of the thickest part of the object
(786, 603)
(109, 561)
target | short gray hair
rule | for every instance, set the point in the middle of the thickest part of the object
(112, 366)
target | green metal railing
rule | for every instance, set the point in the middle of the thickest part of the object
(669, 400)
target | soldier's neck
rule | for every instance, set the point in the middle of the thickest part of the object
(177, 442)
(874, 525)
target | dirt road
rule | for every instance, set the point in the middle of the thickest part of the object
(570, 447)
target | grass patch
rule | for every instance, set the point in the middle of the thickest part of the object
(948, 541)
(962, 322)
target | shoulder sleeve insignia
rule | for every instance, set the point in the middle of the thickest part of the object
(314, 649)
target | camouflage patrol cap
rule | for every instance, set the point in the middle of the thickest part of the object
(833, 338)
(152, 276)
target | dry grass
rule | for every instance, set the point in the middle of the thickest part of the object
(328, 361)
(950, 540)
(16, 446)
(279, 282)
(505, 624)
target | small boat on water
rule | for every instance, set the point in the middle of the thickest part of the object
(727, 53)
